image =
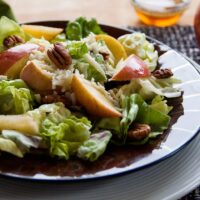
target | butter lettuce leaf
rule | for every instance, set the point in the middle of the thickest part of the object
(95, 146)
(15, 97)
(150, 87)
(62, 132)
(160, 104)
(135, 109)
(23, 142)
(77, 49)
(64, 138)
(81, 28)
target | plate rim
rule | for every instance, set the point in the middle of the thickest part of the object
(53, 179)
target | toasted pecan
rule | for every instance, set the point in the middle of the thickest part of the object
(12, 40)
(59, 56)
(162, 73)
(139, 132)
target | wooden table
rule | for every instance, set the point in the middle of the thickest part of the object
(112, 12)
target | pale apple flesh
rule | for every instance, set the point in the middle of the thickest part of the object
(36, 78)
(133, 67)
(42, 31)
(15, 58)
(93, 100)
(21, 123)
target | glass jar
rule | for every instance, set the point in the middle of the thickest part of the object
(160, 12)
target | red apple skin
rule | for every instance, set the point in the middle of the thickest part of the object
(133, 68)
(9, 57)
(197, 25)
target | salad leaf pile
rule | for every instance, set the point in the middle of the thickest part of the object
(99, 88)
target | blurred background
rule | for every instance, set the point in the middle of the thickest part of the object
(112, 12)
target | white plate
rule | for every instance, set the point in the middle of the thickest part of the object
(179, 134)
(170, 179)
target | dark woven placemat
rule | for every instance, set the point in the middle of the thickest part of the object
(181, 38)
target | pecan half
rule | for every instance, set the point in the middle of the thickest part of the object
(12, 40)
(54, 98)
(162, 73)
(59, 56)
(105, 55)
(139, 132)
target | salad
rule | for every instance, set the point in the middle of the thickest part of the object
(73, 92)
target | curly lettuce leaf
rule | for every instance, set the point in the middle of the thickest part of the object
(62, 131)
(80, 28)
(148, 115)
(130, 111)
(15, 97)
(109, 124)
(159, 104)
(77, 49)
(9, 27)
(64, 138)
(135, 109)
(95, 146)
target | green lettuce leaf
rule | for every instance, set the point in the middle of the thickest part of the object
(10, 147)
(64, 138)
(62, 131)
(5, 10)
(135, 109)
(80, 28)
(130, 111)
(23, 142)
(159, 104)
(9, 27)
(112, 124)
(147, 115)
(77, 49)
(149, 88)
(15, 97)
(95, 146)
(95, 70)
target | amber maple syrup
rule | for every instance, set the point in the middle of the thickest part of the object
(160, 12)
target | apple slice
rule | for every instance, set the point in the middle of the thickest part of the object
(89, 96)
(15, 58)
(42, 31)
(36, 78)
(21, 123)
(114, 46)
(133, 67)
